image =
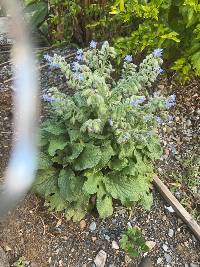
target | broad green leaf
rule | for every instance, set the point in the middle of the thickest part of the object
(56, 143)
(104, 203)
(89, 158)
(44, 161)
(70, 185)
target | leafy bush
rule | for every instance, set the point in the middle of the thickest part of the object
(100, 141)
(172, 25)
(134, 26)
(133, 242)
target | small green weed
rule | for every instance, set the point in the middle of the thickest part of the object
(133, 243)
(21, 262)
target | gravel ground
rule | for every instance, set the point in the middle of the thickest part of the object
(47, 239)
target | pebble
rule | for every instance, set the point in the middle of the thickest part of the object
(168, 258)
(82, 224)
(115, 245)
(171, 232)
(159, 260)
(107, 237)
(170, 209)
(194, 265)
(165, 247)
(150, 244)
(93, 226)
(100, 259)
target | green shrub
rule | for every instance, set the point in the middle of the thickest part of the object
(100, 141)
(172, 25)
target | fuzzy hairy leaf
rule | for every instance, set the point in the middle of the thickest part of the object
(127, 189)
(56, 143)
(55, 202)
(89, 158)
(45, 184)
(44, 161)
(70, 185)
(104, 203)
(93, 182)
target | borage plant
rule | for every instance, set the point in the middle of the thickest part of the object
(100, 142)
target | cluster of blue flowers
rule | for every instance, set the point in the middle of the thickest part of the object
(79, 54)
(138, 101)
(50, 61)
(159, 120)
(47, 98)
(128, 58)
(157, 52)
(170, 101)
(93, 44)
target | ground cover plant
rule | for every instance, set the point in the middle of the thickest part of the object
(133, 242)
(99, 144)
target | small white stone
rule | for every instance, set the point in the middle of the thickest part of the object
(171, 232)
(151, 244)
(115, 245)
(159, 260)
(170, 209)
(100, 259)
(92, 226)
(165, 247)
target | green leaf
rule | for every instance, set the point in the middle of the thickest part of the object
(56, 143)
(117, 164)
(45, 182)
(44, 161)
(104, 203)
(89, 158)
(36, 13)
(55, 202)
(126, 189)
(76, 148)
(106, 153)
(74, 134)
(70, 185)
(93, 182)
(54, 128)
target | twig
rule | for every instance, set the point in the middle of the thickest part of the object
(44, 227)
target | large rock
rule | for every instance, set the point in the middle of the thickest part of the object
(3, 259)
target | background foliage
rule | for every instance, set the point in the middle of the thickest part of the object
(134, 26)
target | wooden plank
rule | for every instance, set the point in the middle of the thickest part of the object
(181, 211)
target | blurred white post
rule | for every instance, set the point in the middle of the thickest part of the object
(21, 169)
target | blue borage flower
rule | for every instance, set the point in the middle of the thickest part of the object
(138, 101)
(110, 121)
(159, 120)
(170, 101)
(49, 99)
(157, 52)
(128, 58)
(79, 76)
(75, 66)
(93, 44)
(50, 61)
(79, 54)
(158, 70)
